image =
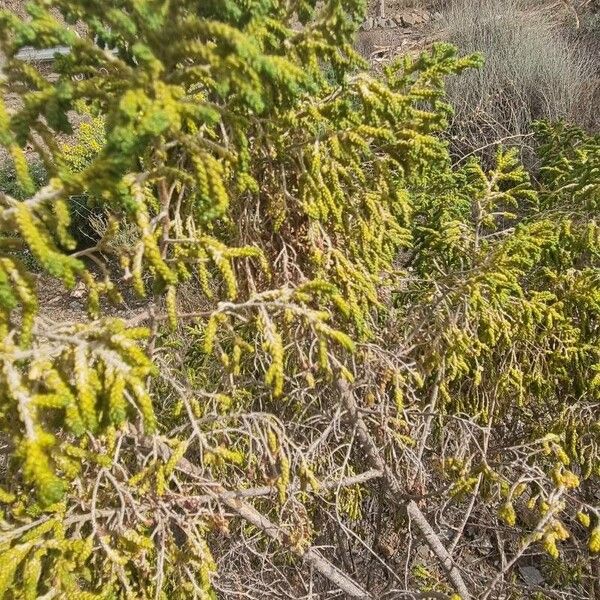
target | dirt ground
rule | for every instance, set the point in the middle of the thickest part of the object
(16, 6)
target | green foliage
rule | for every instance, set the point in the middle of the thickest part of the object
(10, 185)
(569, 172)
(82, 149)
(308, 215)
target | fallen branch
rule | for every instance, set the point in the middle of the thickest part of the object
(395, 492)
(392, 595)
(310, 556)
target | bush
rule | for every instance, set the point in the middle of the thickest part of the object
(532, 71)
(83, 145)
(9, 182)
(81, 149)
(383, 344)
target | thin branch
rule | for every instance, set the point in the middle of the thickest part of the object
(46, 194)
(530, 539)
(310, 556)
(395, 491)
(268, 490)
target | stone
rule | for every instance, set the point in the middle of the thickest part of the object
(417, 16)
(399, 18)
(531, 575)
(411, 18)
(368, 24)
(422, 553)
(390, 24)
(79, 291)
(369, 42)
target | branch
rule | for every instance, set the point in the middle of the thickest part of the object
(46, 194)
(311, 556)
(530, 539)
(438, 549)
(395, 492)
(396, 595)
(268, 490)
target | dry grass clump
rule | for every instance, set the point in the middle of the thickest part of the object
(532, 71)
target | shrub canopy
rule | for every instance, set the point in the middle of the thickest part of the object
(326, 307)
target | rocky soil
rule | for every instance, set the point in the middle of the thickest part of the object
(397, 31)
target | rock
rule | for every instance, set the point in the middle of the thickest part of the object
(368, 24)
(411, 18)
(385, 23)
(423, 553)
(79, 291)
(399, 18)
(368, 42)
(531, 575)
(483, 546)
(417, 17)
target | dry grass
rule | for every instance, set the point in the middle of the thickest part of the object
(532, 71)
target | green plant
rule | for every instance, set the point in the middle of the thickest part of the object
(83, 147)
(9, 181)
(370, 315)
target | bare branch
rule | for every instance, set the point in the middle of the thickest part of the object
(393, 486)
(310, 556)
